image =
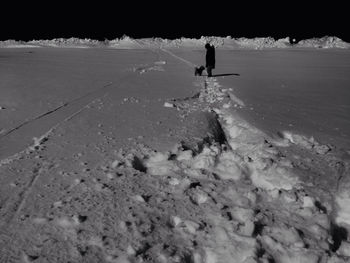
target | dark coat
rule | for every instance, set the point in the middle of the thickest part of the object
(210, 56)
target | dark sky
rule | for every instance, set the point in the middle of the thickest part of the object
(172, 19)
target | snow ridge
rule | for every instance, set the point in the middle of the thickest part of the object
(223, 42)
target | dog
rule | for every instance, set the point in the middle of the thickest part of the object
(198, 70)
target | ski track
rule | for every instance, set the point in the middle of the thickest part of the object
(18, 202)
(77, 105)
(49, 112)
(190, 64)
(14, 207)
(31, 120)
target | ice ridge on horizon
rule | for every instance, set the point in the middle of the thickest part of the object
(223, 42)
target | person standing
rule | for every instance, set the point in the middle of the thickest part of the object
(210, 58)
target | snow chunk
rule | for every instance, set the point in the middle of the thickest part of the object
(230, 166)
(184, 155)
(283, 254)
(169, 105)
(199, 197)
(344, 249)
(138, 198)
(308, 201)
(288, 236)
(343, 212)
(246, 217)
(175, 221)
(206, 159)
(191, 226)
(275, 177)
(65, 222)
(158, 164)
(115, 164)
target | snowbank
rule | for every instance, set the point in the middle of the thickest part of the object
(66, 42)
(263, 42)
(324, 42)
(223, 42)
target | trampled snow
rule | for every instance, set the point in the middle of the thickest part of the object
(137, 160)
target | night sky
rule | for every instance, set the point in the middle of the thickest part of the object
(173, 19)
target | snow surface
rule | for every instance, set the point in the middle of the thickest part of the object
(128, 157)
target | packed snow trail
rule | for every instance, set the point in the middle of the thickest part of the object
(180, 58)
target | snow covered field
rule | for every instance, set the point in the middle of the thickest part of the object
(123, 155)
